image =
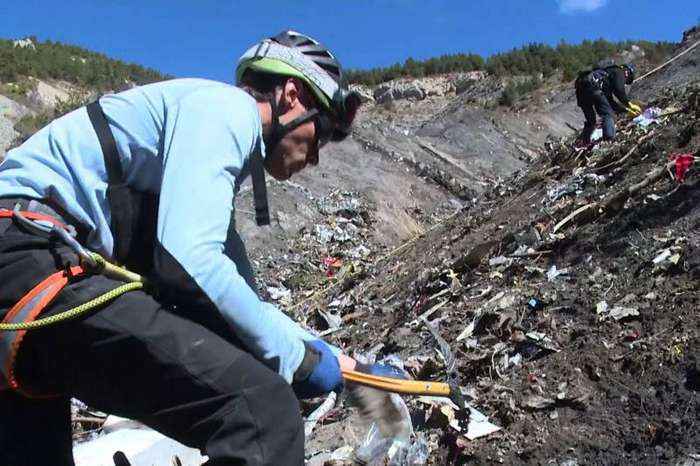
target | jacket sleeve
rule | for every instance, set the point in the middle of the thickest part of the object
(207, 141)
(618, 90)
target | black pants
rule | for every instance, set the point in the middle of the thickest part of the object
(167, 368)
(592, 101)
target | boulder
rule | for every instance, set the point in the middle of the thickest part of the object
(24, 43)
(397, 90)
(10, 113)
(634, 53)
(46, 95)
(364, 92)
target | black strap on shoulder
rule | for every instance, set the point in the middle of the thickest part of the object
(257, 173)
(115, 174)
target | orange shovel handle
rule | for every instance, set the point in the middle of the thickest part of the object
(388, 384)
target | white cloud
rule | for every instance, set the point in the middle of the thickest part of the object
(573, 6)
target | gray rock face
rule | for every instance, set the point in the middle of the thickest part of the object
(630, 56)
(7, 135)
(679, 73)
(364, 92)
(399, 90)
(47, 96)
(10, 113)
(24, 43)
(432, 86)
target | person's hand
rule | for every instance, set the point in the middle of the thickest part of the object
(346, 363)
(321, 371)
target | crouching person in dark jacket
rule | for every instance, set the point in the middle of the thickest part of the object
(596, 91)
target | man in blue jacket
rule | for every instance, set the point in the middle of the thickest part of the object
(148, 177)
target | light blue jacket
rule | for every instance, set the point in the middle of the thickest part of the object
(190, 140)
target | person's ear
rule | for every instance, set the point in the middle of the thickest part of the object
(291, 93)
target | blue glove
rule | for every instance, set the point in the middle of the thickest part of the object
(381, 370)
(324, 376)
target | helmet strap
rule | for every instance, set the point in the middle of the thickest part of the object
(277, 130)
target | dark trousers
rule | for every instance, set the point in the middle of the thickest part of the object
(593, 101)
(174, 370)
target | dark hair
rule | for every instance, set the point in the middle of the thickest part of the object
(261, 85)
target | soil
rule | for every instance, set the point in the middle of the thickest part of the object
(454, 206)
(617, 391)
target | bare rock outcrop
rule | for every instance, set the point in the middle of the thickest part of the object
(46, 95)
(10, 113)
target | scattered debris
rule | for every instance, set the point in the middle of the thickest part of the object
(507, 288)
(683, 162)
(553, 273)
(539, 402)
(650, 116)
(319, 413)
(139, 444)
(279, 293)
(479, 425)
(619, 313)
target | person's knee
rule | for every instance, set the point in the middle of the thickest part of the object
(277, 415)
(280, 405)
(259, 425)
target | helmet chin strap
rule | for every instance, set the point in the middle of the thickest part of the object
(277, 130)
(257, 169)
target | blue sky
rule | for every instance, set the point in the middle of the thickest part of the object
(204, 37)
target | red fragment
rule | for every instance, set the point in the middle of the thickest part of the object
(683, 163)
(420, 303)
(331, 264)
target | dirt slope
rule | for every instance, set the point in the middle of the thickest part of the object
(601, 368)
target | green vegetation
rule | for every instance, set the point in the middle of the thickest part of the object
(17, 90)
(528, 60)
(514, 90)
(31, 123)
(417, 69)
(53, 60)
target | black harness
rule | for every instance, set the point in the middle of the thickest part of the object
(595, 79)
(133, 212)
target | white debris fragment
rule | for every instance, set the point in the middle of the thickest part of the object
(553, 273)
(279, 293)
(319, 413)
(142, 447)
(601, 308)
(617, 312)
(479, 424)
(620, 312)
(665, 254)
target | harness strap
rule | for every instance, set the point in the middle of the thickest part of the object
(6, 213)
(257, 172)
(115, 173)
(132, 212)
(28, 309)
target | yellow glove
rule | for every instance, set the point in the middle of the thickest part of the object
(634, 109)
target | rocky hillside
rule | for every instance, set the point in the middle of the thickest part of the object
(565, 300)
(40, 81)
(422, 149)
(458, 225)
